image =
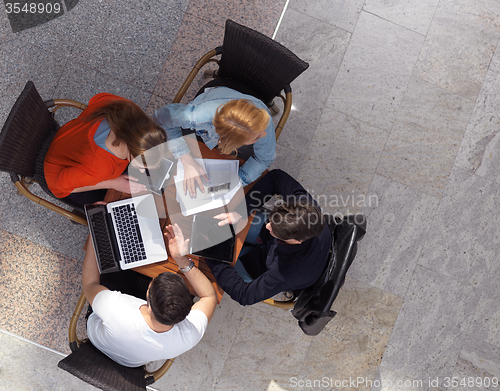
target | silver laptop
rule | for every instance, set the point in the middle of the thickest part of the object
(126, 233)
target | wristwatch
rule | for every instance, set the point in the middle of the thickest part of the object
(188, 267)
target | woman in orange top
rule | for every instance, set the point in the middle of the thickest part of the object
(89, 154)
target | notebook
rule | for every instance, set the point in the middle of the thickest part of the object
(126, 233)
(209, 240)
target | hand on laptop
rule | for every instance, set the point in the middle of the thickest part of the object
(177, 245)
(228, 218)
(192, 175)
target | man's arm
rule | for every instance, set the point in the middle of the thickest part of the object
(203, 288)
(200, 283)
(245, 293)
(90, 274)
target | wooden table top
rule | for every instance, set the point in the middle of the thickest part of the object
(169, 265)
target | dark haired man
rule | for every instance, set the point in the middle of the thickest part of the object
(289, 250)
(133, 331)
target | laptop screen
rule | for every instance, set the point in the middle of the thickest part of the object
(156, 177)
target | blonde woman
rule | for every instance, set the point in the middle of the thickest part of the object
(222, 118)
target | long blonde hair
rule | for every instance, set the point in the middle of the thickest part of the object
(237, 122)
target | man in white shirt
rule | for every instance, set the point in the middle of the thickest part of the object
(133, 331)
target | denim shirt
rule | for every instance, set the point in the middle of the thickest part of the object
(198, 115)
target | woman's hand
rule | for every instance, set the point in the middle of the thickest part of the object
(228, 218)
(177, 245)
(192, 173)
(127, 184)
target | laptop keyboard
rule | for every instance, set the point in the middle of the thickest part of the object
(129, 234)
(103, 242)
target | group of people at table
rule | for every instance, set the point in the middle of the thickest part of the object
(135, 319)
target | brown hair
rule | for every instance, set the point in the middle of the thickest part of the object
(169, 298)
(297, 218)
(237, 122)
(131, 126)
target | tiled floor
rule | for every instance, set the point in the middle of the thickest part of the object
(397, 117)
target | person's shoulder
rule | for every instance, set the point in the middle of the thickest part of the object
(196, 321)
(197, 315)
(110, 296)
(103, 298)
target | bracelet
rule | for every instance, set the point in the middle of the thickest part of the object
(188, 267)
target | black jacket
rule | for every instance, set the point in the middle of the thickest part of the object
(274, 265)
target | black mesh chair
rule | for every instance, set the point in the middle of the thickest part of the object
(253, 64)
(312, 306)
(24, 141)
(90, 365)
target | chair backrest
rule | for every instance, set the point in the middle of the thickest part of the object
(258, 61)
(28, 125)
(90, 365)
(312, 307)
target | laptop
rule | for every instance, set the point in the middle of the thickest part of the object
(209, 240)
(126, 233)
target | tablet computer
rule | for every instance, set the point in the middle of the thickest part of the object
(209, 240)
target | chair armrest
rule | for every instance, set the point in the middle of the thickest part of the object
(74, 342)
(286, 112)
(201, 62)
(28, 194)
(162, 370)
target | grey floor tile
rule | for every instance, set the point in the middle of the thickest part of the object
(204, 363)
(477, 368)
(398, 218)
(323, 47)
(485, 331)
(425, 138)
(479, 150)
(81, 83)
(459, 45)
(462, 241)
(412, 15)
(20, 62)
(181, 4)
(126, 40)
(340, 163)
(155, 103)
(288, 160)
(194, 38)
(353, 342)
(261, 15)
(25, 366)
(342, 14)
(432, 325)
(377, 66)
(387, 380)
(5, 28)
(252, 363)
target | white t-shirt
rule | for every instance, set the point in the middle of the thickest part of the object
(117, 328)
